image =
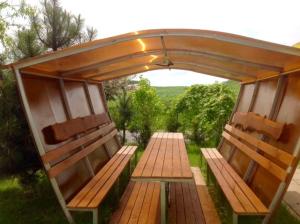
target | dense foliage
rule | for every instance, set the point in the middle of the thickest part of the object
(202, 111)
(146, 107)
(17, 151)
(27, 32)
(199, 111)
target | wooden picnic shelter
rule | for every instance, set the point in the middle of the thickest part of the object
(66, 108)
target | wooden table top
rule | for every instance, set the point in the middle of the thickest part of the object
(164, 159)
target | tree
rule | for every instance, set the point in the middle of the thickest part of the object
(56, 28)
(17, 151)
(203, 111)
(146, 107)
(113, 88)
(27, 44)
(121, 111)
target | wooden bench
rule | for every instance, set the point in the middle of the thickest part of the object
(240, 196)
(90, 196)
(141, 203)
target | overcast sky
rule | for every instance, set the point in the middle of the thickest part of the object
(271, 20)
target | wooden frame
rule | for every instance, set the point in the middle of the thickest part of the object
(278, 100)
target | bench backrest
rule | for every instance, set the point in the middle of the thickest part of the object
(271, 158)
(81, 137)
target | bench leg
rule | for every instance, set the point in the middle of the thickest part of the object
(163, 207)
(235, 218)
(95, 216)
(207, 175)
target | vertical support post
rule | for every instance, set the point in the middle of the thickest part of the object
(95, 216)
(235, 218)
(163, 207)
(39, 145)
(87, 93)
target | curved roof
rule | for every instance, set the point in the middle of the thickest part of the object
(214, 53)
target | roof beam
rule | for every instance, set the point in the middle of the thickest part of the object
(173, 51)
(212, 68)
(113, 76)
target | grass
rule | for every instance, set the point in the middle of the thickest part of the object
(283, 216)
(38, 204)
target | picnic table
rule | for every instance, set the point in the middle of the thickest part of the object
(164, 160)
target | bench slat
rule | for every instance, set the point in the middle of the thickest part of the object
(89, 192)
(261, 208)
(139, 205)
(68, 147)
(246, 203)
(112, 179)
(273, 168)
(142, 163)
(235, 203)
(60, 167)
(114, 160)
(276, 153)
(241, 190)
(207, 205)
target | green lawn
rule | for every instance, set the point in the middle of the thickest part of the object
(38, 205)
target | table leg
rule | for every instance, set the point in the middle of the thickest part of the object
(163, 207)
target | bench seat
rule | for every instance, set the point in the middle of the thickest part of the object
(93, 193)
(239, 195)
(141, 203)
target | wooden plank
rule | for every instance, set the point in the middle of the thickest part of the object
(114, 161)
(131, 202)
(65, 130)
(260, 207)
(124, 199)
(155, 205)
(188, 204)
(172, 214)
(261, 124)
(180, 212)
(209, 211)
(276, 153)
(197, 209)
(240, 195)
(167, 167)
(186, 170)
(146, 205)
(229, 194)
(111, 180)
(62, 150)
(176, 157)
(139, 203)
(148, 169)
(157, 171)
(143, 161)
(60, 167)
(262, 161)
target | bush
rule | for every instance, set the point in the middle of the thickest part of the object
(146, 109)
(17, 150)
(202, 112)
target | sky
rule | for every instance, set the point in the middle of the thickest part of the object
(276, 21)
